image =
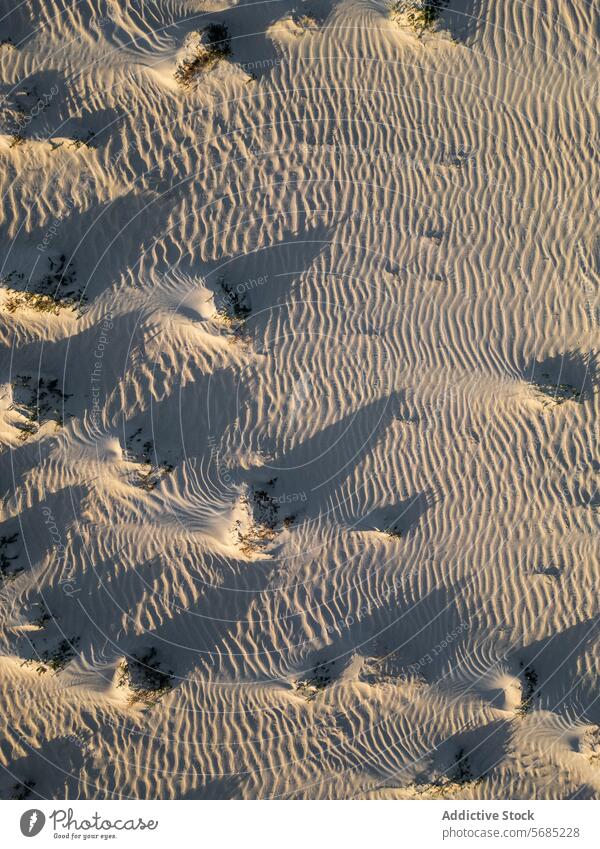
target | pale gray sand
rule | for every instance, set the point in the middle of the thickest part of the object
(306, 505)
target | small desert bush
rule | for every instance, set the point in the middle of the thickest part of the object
(552, 394)
(36, 301)
(461, 772)
(263, 511)
(83, 141)
(8, 569)
(53, 292)
(22, 790)
(214, 45)
(530, 685)
(56, 658)
(233, 308)
(60, 656)
(419, 16)
(146, 681)
(316, 681)
(150, 473)
(37, 403)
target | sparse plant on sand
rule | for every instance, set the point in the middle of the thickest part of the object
(305, 23)
(552, 394)
(8, 568)
(34, 301)
(454, 779)
(233, 308)
(419, 15)
(16, 140)
(263, 510)
(37, 404)
(54, 292)
(549, 571)
(83, 141)
(316, 681)
(150, 472)
(22, 790)
(213, 45)
(42, 619)
(149, 476)
(530, 685)
(461, 772)
(56, 658)
(146, 681)
(392, 531)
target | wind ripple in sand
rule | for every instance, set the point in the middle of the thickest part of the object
(306, 502)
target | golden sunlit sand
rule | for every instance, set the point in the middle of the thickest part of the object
(299, 313)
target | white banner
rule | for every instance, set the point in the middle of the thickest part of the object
(296, 825)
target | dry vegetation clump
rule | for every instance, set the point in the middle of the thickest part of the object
(265, 521)
(589, 746)
(419, 15)
(16, 140)
(530, 686)
(150, 473)
(146, 681)
(392, 531)
(34, 301)
(453, 780)
(233, 308)
(55, 291)
(22, 790)
(213, 45)
(83, 141)
(263, 510)
(42, 619)
(20, 108)
(461, 772)
(288, 521)
(316, 681)
(305, 23)
(54, 659)
(37, 403)
(149, 476)
(549, 571)
(8, 569)
(57, 658)
(552, 394)
(459, 158)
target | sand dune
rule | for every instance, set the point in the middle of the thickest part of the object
(299, 401)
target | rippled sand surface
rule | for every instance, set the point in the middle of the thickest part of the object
(299, 400)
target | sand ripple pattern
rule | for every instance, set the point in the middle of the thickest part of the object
(316, 433)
